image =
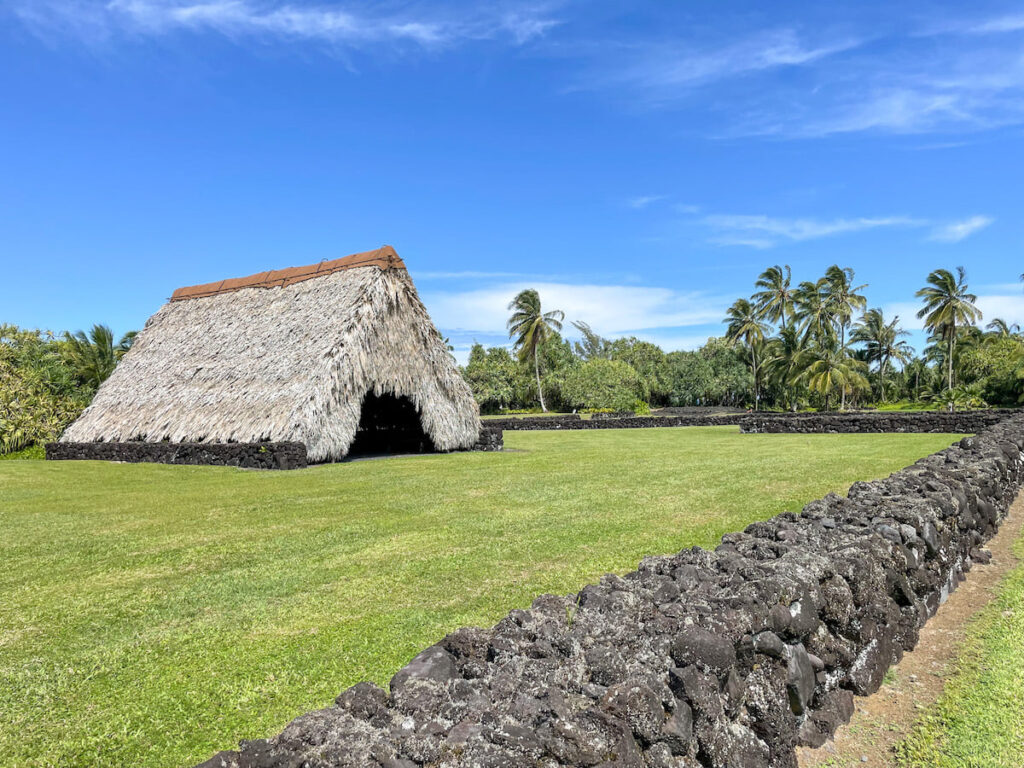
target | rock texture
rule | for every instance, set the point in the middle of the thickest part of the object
(249, 455)
(490, 439)
(728, 658)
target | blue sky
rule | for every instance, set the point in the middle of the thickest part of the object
(638, 163)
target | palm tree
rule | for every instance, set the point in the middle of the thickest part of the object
(813, 311)
(745, 326)
(947, 304)
(882, 342)
(913, 371)
(843, 298)
(530, 326)
(94, 356)
(775, 299)
(827, 368)
(784, 355)
(1001, 328)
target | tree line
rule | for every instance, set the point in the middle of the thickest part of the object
(788, 346)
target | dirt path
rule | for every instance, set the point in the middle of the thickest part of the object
(882, 720)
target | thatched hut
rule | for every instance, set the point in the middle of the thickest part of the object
(326, 355)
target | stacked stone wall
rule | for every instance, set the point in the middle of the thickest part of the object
(248, 455)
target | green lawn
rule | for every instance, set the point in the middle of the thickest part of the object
(151, 615)
(979, 721)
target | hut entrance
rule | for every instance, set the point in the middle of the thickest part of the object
(389, 424)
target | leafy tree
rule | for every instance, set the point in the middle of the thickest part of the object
(491, 375)
(94, 356)
(529, 326)
(746, 327)
(994, 367)
(601, 384)
(592, 346)
(648, 360)
(715, 374)
(882, 343)
(947, 305)
(775, 299)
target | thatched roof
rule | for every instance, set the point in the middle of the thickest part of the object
(284, 356)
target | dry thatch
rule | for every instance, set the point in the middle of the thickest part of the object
(286, 356)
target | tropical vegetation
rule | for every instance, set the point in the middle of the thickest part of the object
(46, 380)
(815, 344)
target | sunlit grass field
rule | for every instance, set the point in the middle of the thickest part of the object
(151, 615)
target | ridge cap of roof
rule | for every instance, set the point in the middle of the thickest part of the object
(384, 258)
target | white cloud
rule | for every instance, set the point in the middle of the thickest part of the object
(643, 201)
(958, 230)
(609, 309)
(759, 231)
(239, 19)
(1009, 307)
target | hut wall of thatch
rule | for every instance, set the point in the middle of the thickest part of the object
(285, 363)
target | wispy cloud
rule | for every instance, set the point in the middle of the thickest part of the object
(956, 231)
(246, 19)
(797, 82)
(759, 231)
(674, 66)
(1011, 23)
(643, 201)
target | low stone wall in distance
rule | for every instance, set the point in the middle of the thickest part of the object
(248, 455)
(573, 421)
(730, 657)
(961, 422)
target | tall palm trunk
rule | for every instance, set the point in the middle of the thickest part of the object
(540, 389)
(949, 363)
(842, 351)
(753, 365)
(885, 364)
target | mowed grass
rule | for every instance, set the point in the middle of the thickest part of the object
(979, 721)
(151, 615)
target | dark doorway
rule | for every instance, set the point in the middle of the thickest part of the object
(389, 424)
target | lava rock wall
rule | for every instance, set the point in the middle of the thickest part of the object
(728, 658)
(914, 421)
(490, 439)
(248, 455)
(881, 421)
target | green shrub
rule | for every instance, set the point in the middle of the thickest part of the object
(609, 384)
(33, 452)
